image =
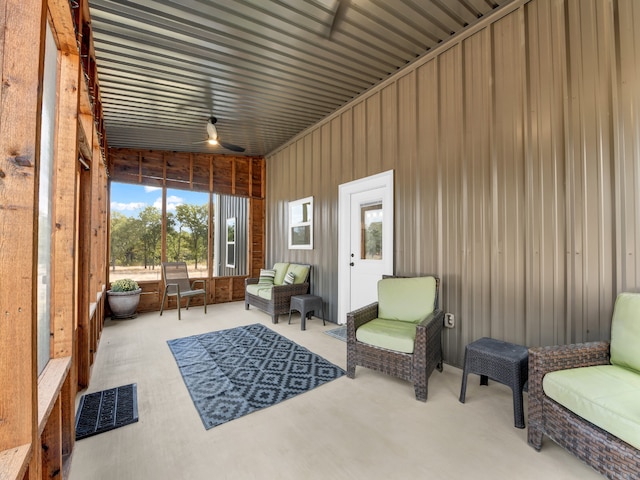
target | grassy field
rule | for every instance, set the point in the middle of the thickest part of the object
(141, 274)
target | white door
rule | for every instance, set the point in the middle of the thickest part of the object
(365, 239)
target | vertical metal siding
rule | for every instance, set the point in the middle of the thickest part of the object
(517, 159)
(474, 317)
(405, 248)
(507, 182)
(589, 161)
(627, 151)
(233, 207)
(449, 168)
(545, 179)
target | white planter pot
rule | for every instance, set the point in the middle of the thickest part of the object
(123, 304)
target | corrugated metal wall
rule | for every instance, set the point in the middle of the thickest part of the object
(232, 207)
(516, 149)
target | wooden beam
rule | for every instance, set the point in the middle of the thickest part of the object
(83, 144)
(62, 23)
(83, 253)
(95, 220)
(51, 443)
(228, 174)
(63, 301)
(21, 38)
(233, 176)
(68, 410)
(103, 250)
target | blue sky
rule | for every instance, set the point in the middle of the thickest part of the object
(131, 199)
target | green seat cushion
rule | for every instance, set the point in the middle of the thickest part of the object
(299, 271)
(625, 331)
(260, 290)
(281, 271)
(406, 299)
(389, 334)
(606, 395)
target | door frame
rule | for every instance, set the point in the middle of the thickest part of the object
(345, 191)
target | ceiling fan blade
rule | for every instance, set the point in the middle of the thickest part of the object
(231, 146)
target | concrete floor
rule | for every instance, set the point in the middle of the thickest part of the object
(370, 427)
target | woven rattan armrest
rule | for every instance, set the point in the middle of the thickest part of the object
(424, 323)
(362, 315)
(543, 360)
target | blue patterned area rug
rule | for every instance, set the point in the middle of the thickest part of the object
(230, 373)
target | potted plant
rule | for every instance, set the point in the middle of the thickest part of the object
(124, 297)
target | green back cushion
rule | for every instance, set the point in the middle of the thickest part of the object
(605, 395)
(625, 331)
(299, 271)
(281, 271)
(406, 299)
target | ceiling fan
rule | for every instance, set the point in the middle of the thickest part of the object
(213, 139)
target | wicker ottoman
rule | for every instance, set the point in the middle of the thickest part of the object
(504, 362)
(306, 304)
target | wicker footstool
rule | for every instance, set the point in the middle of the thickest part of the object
(306, 304)
(504, 362)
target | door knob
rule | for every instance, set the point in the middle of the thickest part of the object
(351, 264)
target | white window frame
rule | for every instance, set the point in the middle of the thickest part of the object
(297, 220)
(231, 221)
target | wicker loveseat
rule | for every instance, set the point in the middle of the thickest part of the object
(275, 298)
(586, 397)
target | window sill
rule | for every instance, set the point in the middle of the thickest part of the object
(49, 387)
(14, 462)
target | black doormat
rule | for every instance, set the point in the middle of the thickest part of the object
(106, 410)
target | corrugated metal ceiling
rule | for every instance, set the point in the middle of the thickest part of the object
(267, 69)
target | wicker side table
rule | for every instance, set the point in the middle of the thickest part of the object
(306, 304)
(504, 362)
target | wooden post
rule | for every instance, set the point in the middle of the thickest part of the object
(64, 237)
(21, 37)
(64, 210)
(83, 362)
(51, 443)
(94, 243)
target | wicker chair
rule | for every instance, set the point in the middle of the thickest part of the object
(177, 284)
(415, 366)
(604, 452)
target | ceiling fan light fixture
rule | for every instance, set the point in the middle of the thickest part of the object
(212, 141)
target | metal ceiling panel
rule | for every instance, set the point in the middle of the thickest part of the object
(267, 69)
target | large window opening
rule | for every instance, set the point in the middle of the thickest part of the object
(188, 230)
(136, 232)
(197, 227)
